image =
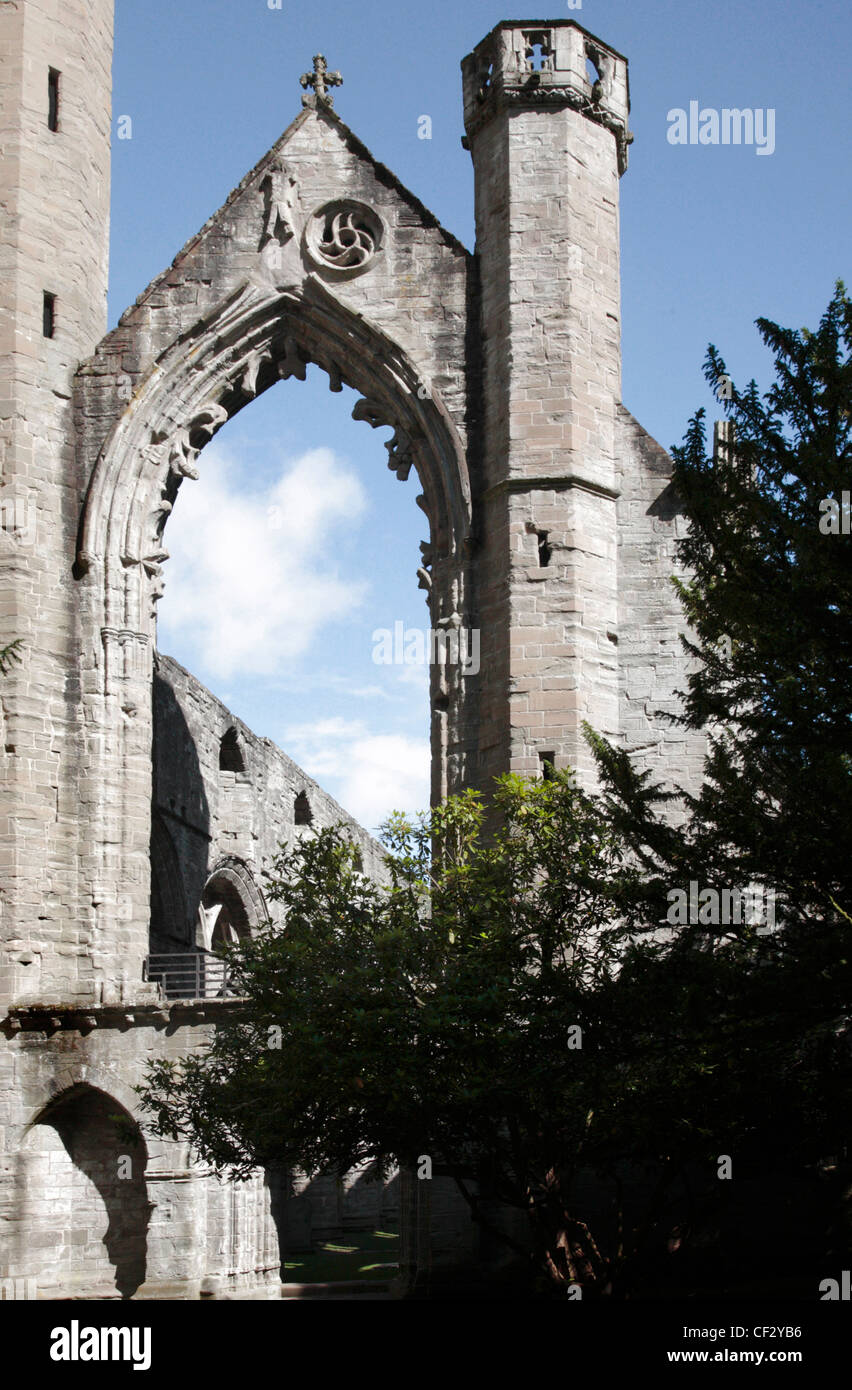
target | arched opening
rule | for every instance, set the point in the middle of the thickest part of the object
(250, 340)
(231, 758)
(83, 1165)
(231, 907)
(228, 915)
(291, 551)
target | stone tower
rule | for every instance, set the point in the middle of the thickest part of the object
(546, 112)
(138, 813)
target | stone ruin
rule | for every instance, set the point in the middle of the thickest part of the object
(139, 814)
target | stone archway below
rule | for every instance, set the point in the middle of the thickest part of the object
(82, 1171)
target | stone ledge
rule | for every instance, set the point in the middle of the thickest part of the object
(559, 482)
(74, 1018)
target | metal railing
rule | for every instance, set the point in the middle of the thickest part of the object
(190, 975)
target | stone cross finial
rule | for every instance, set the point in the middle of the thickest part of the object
(320, 79)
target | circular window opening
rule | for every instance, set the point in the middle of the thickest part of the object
(344, 236)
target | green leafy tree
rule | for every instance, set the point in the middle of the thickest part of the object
(460, 1011)
(769, 603)
(497, 1007)
(440, 1013)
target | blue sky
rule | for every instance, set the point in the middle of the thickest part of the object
(279, 623)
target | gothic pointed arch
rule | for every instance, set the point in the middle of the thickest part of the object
(232, 904)
(320, 256)
(251, 341)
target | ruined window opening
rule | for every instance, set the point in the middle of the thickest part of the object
(260, 372)
(547, 762)
(230, 753)
(52, 99)
(545, 550)
(48, 315)
(231, 921)
(595, 72)
(538, 52)
(302, 813)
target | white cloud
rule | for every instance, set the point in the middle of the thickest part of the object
(418, 676)
(368, 692)
(245, 593)
(370, 774)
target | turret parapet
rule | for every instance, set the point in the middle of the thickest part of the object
(537, 63)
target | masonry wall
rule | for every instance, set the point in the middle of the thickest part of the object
(652, 666)
(87, 1213)
(54, 206)
(81, 1223)
(225, 827)
(551, 528)
(225, 819)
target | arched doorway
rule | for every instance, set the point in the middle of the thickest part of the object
(83, 1163)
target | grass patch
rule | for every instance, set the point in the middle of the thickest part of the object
(361, 1255)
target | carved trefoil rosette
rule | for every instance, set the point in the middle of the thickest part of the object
(344, 236)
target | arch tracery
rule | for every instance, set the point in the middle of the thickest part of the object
(154, 427)
(205, 378)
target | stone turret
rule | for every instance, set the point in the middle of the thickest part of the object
(546, 110)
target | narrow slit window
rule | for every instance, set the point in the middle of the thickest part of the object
(48, 315)
(547, 762)
(545, 551)
(52, 99)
